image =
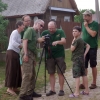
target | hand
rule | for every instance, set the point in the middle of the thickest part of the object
(85, 24)
(55, 43)
(73, 40)
(42, 39)
(25, 58)
(20, 46)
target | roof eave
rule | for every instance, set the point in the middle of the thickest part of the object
(36, 14)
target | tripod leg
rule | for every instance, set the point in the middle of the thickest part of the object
(63, 75)
(45, 72)
(38, 68)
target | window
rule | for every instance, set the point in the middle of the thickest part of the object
(18, 19)
(54, 18)
(35, 18)
(67, 18)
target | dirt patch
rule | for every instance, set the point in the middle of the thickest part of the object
(94, 94)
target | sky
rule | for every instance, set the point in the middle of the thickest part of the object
(86, 4)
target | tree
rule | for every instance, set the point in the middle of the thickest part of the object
(79, 18)
(3, 25)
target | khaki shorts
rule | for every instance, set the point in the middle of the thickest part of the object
(52, 66)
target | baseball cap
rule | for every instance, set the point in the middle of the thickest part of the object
(87, 12)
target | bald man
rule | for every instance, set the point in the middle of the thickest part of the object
(57, 52)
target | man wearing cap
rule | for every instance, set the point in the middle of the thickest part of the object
(90, 35)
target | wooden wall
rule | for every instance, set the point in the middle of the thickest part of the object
(63, 4)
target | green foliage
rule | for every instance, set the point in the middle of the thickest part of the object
(3, 37)
(79, 18)
(3, 6)
(3, 25)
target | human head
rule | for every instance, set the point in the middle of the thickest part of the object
(87, 16)
(76, 31)
(26, 20)
(20, 26)
(52, 26)
(38, 25)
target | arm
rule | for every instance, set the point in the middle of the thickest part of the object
(87, 49)
(72, 48)
(25, 50)
(61, 42)
(91, 32)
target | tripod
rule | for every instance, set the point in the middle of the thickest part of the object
(43, 52)
(44, 49)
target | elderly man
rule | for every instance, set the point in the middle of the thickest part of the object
(28, 61)
(57, 39)
(90, 36)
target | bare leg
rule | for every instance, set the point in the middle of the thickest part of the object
(52, 82)
(94, 74)
(61, 81)
(77, 83)
(85, 81)
(86, 71)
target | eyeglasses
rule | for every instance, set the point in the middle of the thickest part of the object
(41, 25)
(27, 21)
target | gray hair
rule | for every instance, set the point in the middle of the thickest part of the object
(38, 21)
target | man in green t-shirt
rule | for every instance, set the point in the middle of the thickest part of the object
(90, 35)
(27, 22)
(55, 55)
(28, 54)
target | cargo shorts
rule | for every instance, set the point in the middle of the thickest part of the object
(78, 67)
(51, 65)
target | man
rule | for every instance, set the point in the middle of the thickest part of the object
(27, 22)
(28, 58)
(89, 35)
(57, 39)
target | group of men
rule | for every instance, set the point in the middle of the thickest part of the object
(57, 39)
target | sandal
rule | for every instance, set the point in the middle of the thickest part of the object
(93, 86)
(73, 96)
(84, 93)
(82, 86)
(11, 93)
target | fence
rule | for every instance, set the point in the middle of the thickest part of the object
(66, 26)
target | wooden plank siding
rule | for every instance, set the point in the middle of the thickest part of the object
(66, 26)
(60, 15)
(63, 4)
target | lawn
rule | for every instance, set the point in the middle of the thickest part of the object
(40, 80)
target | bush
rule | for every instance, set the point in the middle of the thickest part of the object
(3, 37)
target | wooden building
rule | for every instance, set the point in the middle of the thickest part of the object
(44, 9)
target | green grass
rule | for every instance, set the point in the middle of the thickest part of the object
(99, 43)
(40, 80)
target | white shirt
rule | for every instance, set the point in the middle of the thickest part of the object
(14, 41)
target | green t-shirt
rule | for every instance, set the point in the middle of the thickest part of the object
(79, 50)
(58, 50)
(22, 33)
(92, 41)
(30, 34)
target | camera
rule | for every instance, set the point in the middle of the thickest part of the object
(47, 39)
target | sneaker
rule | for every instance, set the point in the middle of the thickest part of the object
(93, 86)
(50, 93)
(27, 97)
(82, 86)
(34, 94)
(61, 93)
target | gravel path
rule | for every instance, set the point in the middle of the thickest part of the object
(94, 94)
